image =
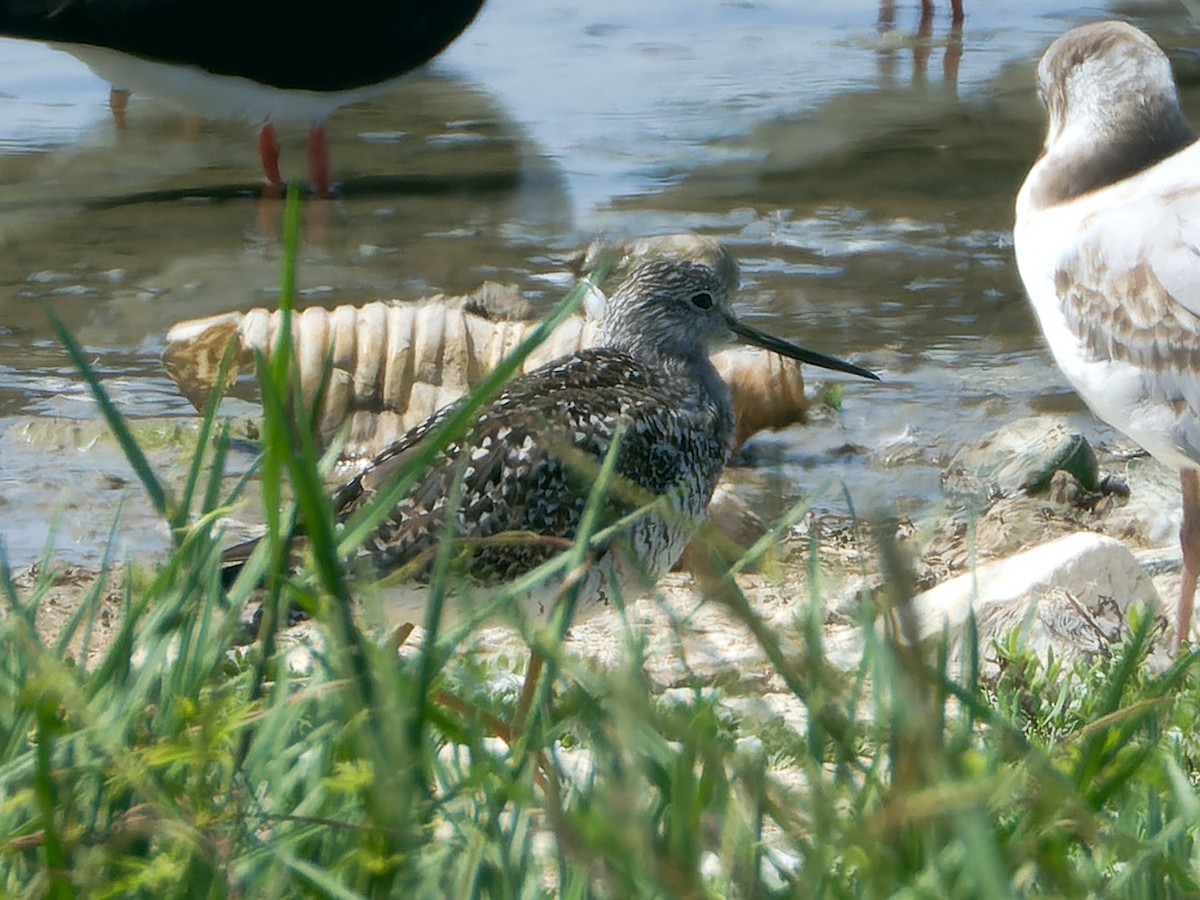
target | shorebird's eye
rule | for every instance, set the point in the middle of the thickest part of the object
(703, 300)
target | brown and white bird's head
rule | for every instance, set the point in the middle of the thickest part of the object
(681, 310)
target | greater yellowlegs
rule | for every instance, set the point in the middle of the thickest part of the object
(528, 463)
(1107, 240)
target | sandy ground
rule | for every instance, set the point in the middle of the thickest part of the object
(690, 640)
(61, 594)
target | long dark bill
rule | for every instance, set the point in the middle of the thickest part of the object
(785, 348)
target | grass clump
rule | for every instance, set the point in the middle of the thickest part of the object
(182, 763)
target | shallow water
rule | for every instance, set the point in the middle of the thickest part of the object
(865, 185)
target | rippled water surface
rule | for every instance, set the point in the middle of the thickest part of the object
(864, 175)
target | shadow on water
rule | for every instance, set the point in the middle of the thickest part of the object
(123, 239)
(377, 187)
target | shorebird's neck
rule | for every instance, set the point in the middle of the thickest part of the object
(1090, 152)
(701, 382)
(682, 359)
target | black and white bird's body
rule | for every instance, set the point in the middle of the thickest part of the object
(260, 61)
(528, 464)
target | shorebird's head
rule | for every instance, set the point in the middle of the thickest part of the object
(1109, 82)
(677, 309)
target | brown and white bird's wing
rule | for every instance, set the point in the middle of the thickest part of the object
(349, 496)
(1114, 277)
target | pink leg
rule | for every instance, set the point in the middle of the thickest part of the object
(318, 160)
(887, 15)
(954, 52)
(923, 43)
(118, 102)
(1189, 542)
(956, 11)
(268, 152)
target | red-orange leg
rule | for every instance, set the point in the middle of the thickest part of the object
(268, 152)
(318, 160)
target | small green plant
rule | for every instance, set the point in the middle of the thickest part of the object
(831, 396)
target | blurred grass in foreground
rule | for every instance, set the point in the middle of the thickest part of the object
(183, 764)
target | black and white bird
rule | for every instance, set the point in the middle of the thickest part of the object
(261, 61)
(528, 463)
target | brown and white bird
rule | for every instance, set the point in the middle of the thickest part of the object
(1107, 240)
(528, 463)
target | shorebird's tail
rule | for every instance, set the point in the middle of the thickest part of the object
(233, 560)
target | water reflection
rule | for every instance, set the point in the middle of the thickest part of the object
(130, 230)
(921, 44)
(158, 223)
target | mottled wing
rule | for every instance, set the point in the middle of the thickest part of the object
(1133, 278)
(355, 493)
(1128, 315)
(351, 495)
(529, 461)
(1130, 291)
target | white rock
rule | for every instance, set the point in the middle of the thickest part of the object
(1097, 572)
(1069, 595)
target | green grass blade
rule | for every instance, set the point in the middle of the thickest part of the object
(157, 493)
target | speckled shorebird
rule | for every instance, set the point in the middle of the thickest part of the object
(1107, 239)
(529, 461)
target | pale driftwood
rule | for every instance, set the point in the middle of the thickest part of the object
(393, 364)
